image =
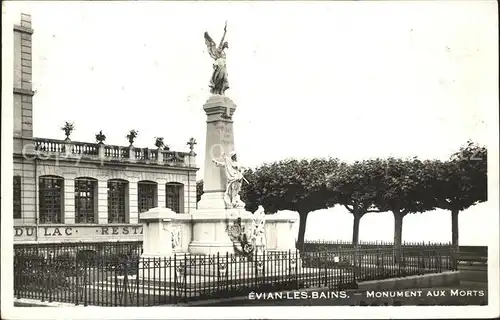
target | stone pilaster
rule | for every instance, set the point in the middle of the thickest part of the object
(69, 200)
(162, 193)
(102, 206)
(29, 188)
(190, 193)
(132, 201)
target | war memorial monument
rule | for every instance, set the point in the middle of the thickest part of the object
(220, 225)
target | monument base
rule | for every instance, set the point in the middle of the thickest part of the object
(211, 201)
(213, 231)
(210, 230)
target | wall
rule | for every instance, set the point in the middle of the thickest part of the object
(71, 170)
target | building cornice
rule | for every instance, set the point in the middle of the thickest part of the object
(24, 91)
(23, 29)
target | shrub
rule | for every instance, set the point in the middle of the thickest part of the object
(87, 257)
(121, 261)
(35, 273)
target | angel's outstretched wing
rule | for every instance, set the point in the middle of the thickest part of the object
(212, 47)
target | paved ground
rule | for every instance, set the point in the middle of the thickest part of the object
(17, 304)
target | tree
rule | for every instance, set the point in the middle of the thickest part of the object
(199, 190)
(356, 187)
(461, 182)
(404, 188)
(250, 192)
(296, 185)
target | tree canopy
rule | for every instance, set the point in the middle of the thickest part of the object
(460, 182)
(296, 185)
(355, 186)
(402, 186)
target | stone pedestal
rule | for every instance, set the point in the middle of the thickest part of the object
(101, 151)
(210, 221)
(68, 148)
(157, 232)
(219, 139)
(164, 233)
(279, 231)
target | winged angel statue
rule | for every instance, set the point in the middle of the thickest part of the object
(219, 82)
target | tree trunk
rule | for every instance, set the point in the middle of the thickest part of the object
(454, 228)
(302, 230)
(398, 234)
(355, 229)
(355, 240)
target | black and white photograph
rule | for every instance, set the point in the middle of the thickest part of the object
(250, 159)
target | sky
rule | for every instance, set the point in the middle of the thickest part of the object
(351, 80)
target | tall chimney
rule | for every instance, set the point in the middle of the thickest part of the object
(23, 89)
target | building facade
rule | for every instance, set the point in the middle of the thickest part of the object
(69, 191)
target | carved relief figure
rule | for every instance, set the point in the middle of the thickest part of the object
(176, 238)
(258, 235)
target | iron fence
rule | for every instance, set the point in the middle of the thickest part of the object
(321, 245)
(118, 248)
(80, 250)
(382, 263)
(141, 281)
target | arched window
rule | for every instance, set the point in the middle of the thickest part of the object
(117, 201)
(85, 200)
(51, 195)
(174, 192)
(147, 195)
(17, 197)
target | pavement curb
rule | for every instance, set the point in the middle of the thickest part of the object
(23, 302)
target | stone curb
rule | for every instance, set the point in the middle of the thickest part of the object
(36, 303)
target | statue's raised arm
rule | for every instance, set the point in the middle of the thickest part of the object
(219, 163)
(221, 44)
